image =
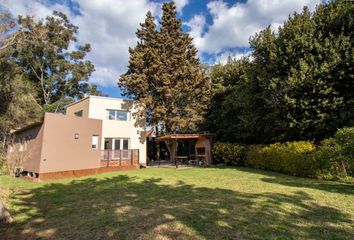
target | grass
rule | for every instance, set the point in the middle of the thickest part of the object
(197, 203)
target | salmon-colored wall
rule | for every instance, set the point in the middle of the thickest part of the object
(81, 105)
(205, 142)
(61, 151)
(32, 155)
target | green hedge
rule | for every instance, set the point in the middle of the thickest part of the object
(333, 159)
(295, 158)
(229, 153)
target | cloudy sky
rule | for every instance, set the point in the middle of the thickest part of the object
(219, 28)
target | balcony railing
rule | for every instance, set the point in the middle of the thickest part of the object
(117, 158)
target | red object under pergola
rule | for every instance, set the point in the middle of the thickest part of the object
(202, 146)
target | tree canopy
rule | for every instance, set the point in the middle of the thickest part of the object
(297, 84)
(166, 76)
(41, 68)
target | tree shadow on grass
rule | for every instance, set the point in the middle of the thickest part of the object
(123, 207)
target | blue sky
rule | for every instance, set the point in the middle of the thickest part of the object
(220, 28)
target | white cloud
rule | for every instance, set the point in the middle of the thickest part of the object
(180, 4)
(196, 25)
(108, 25)
(223, 57)
(233, 25)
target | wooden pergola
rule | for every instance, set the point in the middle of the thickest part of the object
(202, 146)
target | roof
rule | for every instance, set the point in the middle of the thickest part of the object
(183, 136)
(29, 126)
(101, 97)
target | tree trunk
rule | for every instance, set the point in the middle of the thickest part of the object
(4, 214)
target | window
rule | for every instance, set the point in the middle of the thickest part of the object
(95, 141)
(117, 144)
(119, 115)
(125, 143)
(78, 113)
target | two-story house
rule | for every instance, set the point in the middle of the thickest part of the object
(97, 134)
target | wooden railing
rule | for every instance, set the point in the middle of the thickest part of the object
(117, 158)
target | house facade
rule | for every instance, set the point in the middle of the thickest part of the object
(97, 134)
(121, 130)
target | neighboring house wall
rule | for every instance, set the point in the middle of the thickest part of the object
(30, 151)
(61, 151)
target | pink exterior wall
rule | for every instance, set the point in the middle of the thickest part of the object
(61, 151)
(32, 154)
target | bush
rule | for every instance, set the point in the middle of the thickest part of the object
(344, 139)
(336, 156)
(333, 159)
(229, 153)
(293, 158)
(254, 157)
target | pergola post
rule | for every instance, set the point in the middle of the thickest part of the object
(171, 147)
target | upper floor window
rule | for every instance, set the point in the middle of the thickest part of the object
(78, 113)
(119, 115)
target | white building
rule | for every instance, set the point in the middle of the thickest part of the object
(120, 127)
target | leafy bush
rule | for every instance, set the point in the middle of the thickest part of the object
(345, 142)
(254, 156)
(229, 153)
(333, 159)
(336, 156)
(293, 158)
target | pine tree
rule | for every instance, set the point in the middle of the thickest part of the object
(165, 75)
(140, 80)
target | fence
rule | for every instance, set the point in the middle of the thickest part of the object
(117, 158)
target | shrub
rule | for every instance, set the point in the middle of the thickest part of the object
(336, 156)
(254, 157)
(344, 139)
(333, 159)
(229, 153)
(293, 158)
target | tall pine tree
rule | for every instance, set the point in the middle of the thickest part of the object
(165, 75)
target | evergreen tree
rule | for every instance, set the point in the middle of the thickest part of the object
(140, 81)
(165, 75)
(299, 83)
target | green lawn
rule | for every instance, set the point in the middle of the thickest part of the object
(195, 203)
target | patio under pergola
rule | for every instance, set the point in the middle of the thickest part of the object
(200, 155)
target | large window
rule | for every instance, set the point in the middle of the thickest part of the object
(117, 143)
(119, 115)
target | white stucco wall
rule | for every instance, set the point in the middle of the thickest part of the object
(118, 129)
